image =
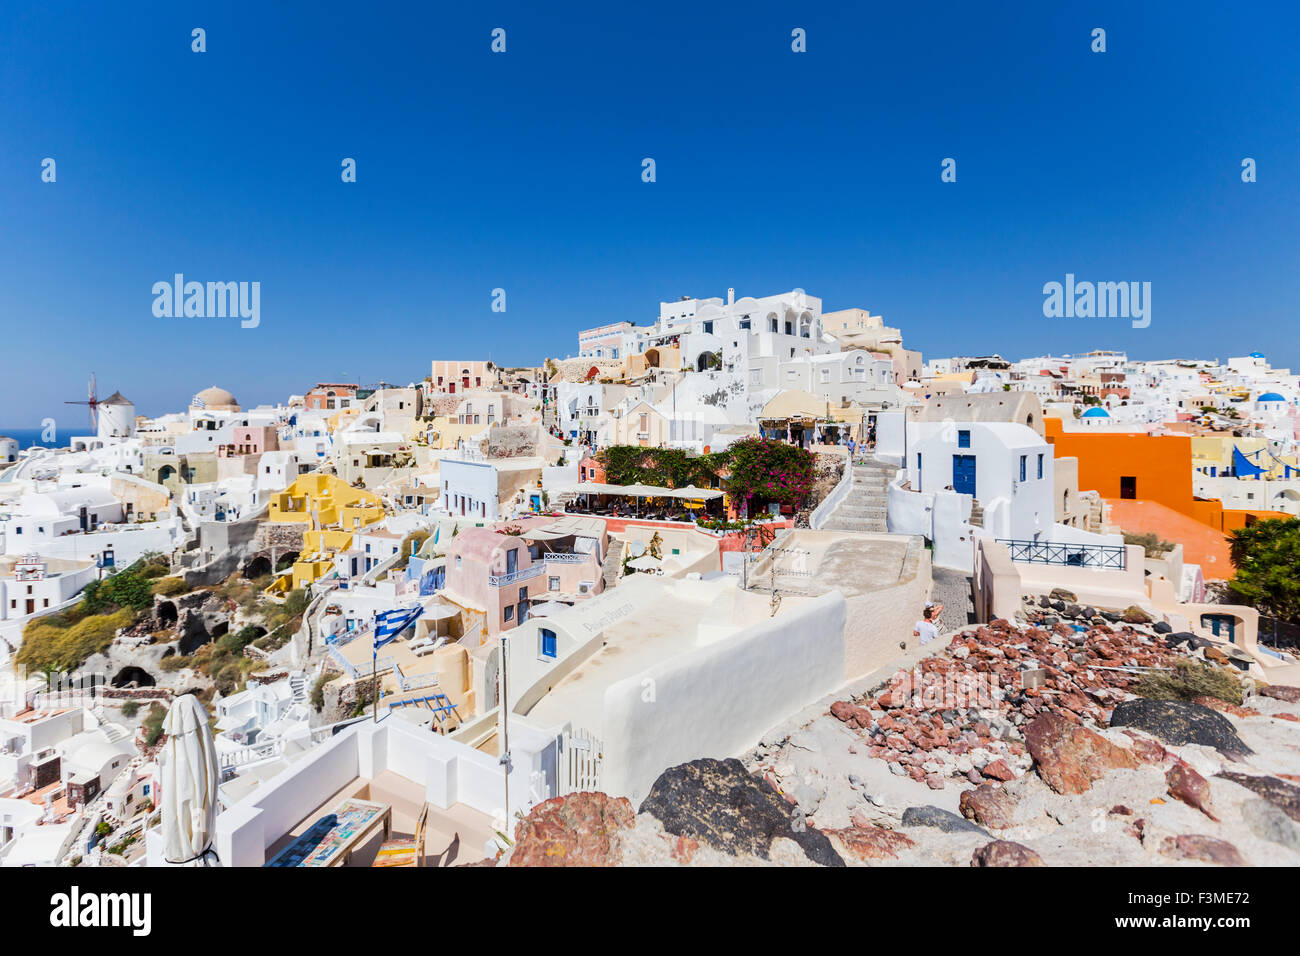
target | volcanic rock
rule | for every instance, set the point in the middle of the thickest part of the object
(721, 804)
(1179, 722)
(1282, 795)
(992, 806)
(1280, 692)
(1269, 822)
(1005, 853)
(579, 829)
(1190, 787)
(1203, 848)
(870, 843)
(1135, 615)
(940, 819)
(1069, 757)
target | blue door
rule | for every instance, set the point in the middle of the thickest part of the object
(548, 643)
(963, 474)
(1221, 625)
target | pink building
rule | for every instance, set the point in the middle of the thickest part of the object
(250, 440)
(453, 378)
(540, 559)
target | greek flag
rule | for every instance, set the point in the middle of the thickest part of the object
(388, 624)
(199, 403)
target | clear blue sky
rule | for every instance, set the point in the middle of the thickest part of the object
(522, 171)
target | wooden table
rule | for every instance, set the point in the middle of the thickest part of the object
(331, 839)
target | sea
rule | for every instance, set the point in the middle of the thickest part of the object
(27, 437)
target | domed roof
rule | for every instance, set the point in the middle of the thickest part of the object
(117, 398)
(214, 397)
(1256, 355)
(1096, 412)
(1270, 397)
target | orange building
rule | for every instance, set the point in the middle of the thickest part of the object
(1147, 481)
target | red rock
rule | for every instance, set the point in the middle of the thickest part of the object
(1281, 692)
(1203, 848)
(1069, 757)
(999, 770)
(934, 781)
(1225, 707)
(843, 710)
(1005, 853)
(974, 776)
(1287, 717)
(992, 806)
(579, 829)
(869, 842)
(1147, 749)
(1190, 787)
(684, 848)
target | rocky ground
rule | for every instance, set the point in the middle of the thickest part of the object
(1016, 744)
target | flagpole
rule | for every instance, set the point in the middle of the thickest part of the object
(374, 680)
(505, 729)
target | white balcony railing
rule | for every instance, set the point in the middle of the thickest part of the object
(503, 580)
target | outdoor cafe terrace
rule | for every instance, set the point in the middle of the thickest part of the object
(647, 502)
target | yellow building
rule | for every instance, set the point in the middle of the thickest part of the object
(324, 501)
(333, 510)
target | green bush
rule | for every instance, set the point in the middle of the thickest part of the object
(170, 587)
(50, 643)
(318, 691)
(130, 708)
(153, 722)
(174, 662)
(1150, 542)
(235, 642)
(1189, 680)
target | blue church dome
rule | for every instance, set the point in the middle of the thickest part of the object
(1096, 412)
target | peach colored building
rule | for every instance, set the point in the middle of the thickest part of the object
(456, 377)
(250, 440)
(331, 395)
(504, 569)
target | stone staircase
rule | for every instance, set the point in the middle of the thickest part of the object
(298, 684)
(613, 563)
(113, 733)
(866, 505)
(976, 514)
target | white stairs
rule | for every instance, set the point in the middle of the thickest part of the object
(866, 506)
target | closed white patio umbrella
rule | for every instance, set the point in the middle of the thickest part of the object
(189, 785)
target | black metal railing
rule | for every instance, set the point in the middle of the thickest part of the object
(1107, 557)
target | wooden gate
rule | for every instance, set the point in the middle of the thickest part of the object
(578, 762)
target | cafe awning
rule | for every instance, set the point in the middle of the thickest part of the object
(645, 491)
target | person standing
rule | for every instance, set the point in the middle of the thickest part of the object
(926, 629)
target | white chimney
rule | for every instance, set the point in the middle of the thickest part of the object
(731, 297)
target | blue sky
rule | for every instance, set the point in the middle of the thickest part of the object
(522, 171)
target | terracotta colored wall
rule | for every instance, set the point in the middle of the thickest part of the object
(1162, 464)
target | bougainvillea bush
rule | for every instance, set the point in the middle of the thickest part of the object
(763, 470)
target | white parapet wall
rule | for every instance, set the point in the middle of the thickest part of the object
(719, 699)
(450, 773)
